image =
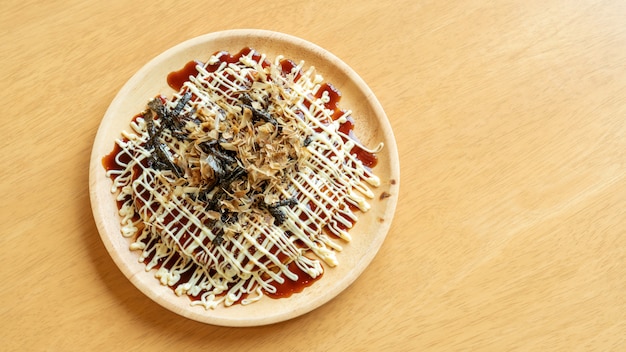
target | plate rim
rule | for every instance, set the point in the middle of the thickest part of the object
(95, 167)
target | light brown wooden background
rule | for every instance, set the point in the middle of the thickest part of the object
(510, 118)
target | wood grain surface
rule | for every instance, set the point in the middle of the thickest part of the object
(510, 119)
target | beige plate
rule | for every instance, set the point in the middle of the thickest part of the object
(372, 127)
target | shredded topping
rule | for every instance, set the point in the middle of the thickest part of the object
(241, 178)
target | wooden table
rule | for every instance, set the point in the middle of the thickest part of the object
(510, 118)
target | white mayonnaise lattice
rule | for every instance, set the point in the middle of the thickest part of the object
(243, 174)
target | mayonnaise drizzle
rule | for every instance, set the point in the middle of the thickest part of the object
(168, 225)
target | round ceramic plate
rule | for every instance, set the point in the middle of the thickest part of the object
(372, 127)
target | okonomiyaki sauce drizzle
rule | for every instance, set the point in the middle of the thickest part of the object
(239, 185)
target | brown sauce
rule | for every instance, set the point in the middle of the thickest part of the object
(176, 80)
(287, 67)
(288, 287)
(334, 96)
(110, 160)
